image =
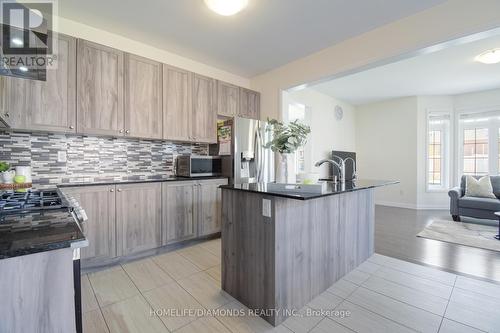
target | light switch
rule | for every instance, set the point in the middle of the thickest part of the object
(61, 156)
(266, 207)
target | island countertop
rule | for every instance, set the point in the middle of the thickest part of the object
(330, 189)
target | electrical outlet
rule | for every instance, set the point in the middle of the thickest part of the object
(266, 207)
(61, 156)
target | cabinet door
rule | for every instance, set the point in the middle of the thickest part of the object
(228, 99)
(204, 124)
(176, 104)
(249, 104)
(178, 211)
(100, 89)
(44, 105)
(143, 99)
(99, 205)
(138, 217)
(209, 206)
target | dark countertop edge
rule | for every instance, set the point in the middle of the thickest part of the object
(124, 182)
(40, 249)
(309, 197)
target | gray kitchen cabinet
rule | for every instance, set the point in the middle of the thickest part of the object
(191, 209)
(177, 104)
(209, 206)
(228, 99)
(179, 221)
(138, 217)
(100, 228)
(204, 110)
(249, 104)
(99, 89)
(44, 105)
(143, 97)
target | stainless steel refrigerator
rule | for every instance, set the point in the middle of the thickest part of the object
(249, 161)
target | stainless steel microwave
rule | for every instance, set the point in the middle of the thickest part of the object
(198, 166)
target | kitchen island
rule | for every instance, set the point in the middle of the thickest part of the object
(280, 249)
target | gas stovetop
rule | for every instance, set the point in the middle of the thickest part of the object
(16, 202)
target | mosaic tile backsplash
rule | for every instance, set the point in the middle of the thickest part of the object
(91, 159)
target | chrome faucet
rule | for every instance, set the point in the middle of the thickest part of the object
(340, 165)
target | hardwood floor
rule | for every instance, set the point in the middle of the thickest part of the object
(395, 236)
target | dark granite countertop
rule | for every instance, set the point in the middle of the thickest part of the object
(136, 181)
(330, 189)
(28, 233)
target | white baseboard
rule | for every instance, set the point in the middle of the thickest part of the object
(410, 206)
(396, 204)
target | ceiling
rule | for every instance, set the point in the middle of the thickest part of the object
(447, 72)
(266, 35)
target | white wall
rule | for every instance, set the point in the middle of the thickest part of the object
(95, 35)
(327, 133)
(386, 141)
(488, 100)
(448, 21)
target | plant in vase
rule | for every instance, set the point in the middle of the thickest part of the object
(286, 139)
(7, 176)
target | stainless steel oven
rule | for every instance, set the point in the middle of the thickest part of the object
(198, 166)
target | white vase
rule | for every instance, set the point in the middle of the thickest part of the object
(286, 169)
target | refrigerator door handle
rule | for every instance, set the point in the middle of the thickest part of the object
(260, 165)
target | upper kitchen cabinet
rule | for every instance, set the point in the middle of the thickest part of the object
(249, 104)
(44, 105)
(228, 99)
(143, 98)
(204, 113)
(177, 104)
(138, 217)
(100, 89)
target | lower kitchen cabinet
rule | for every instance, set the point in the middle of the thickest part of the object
(138, 217)
(209, 206)
(191, 209)
(178, 211)
(100, 228)
(130, 218)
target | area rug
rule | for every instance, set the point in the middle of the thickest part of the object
(469, 234)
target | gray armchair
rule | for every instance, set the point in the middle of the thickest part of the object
(482, 208)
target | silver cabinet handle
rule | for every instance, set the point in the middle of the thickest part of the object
(119, 190)
(127, 131)
(121, 131)
(71, 127)
(111, 190)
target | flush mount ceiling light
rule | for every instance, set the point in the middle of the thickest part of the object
(226, 7)
(489, 57)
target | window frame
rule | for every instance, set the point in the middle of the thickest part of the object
(446, 149)
(493, 126)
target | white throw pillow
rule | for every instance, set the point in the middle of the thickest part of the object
(479, 188)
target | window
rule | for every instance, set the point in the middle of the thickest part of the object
(438, 151)
(479, 144)
(297, 111)
(475, 151)
(435, 158)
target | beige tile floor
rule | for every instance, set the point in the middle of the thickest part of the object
(381, 295)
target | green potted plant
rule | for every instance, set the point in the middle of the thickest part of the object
(7, 176)
(286, 139)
